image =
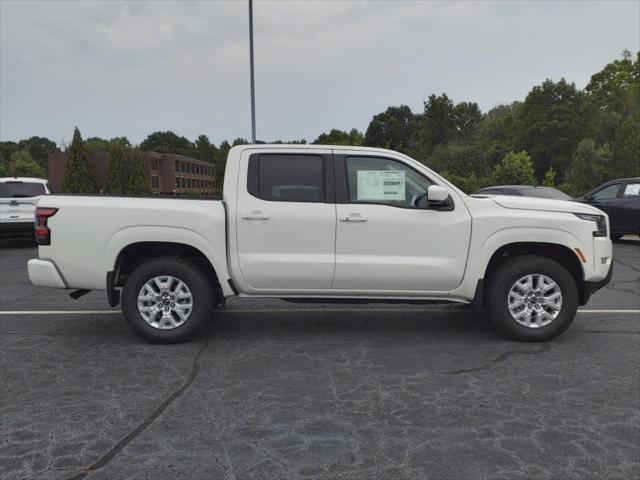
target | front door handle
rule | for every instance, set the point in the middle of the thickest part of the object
(256, 215)
(354, 218)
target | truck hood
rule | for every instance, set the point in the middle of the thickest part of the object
(547, 205)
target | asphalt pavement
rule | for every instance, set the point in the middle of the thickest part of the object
(274, 390)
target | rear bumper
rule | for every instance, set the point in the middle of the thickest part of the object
(44, 273)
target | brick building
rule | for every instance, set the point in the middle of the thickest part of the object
(170, 174)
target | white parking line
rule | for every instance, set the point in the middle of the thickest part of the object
(289, 310)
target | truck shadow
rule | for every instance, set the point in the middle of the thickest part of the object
(368, 322)
(18, 242)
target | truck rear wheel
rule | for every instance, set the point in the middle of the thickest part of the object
(531, 298)
(166, 300)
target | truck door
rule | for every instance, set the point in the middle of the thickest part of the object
(286, 220)
(384, 242)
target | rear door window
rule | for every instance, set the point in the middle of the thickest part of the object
(287, 177)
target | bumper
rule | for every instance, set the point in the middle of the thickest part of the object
(44, 273)
(591, 287)
(16, 228)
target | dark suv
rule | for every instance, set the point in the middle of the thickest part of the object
(620, 199)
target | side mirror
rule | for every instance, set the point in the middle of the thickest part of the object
(437, 194)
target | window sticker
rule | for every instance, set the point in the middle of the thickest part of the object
(381, 185)
(632, 189)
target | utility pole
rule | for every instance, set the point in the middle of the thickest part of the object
(253, 88)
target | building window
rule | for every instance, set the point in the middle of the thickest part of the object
(154, 182)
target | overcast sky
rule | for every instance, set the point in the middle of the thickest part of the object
(129, 68)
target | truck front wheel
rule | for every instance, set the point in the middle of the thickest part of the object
(167, 300)
(531, 298)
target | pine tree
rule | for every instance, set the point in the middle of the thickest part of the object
(118, 170)
(139, 182)
(77, 176)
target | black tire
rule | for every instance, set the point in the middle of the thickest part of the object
(193, 277)
(505, 276)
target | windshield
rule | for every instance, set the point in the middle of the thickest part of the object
(546, 193)
(20, 189)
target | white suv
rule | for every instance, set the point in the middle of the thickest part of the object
(18, 197)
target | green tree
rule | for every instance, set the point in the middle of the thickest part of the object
(514, 169)
(612, 95)
(626, 150)
(22, 164)
(167, 142)
(39, 148)
(470, 183)
(438, 124)
(549, 179)
(139, 182)
(302, 141)
(612, 85)
(77, 176)
(118, 170)
(96, 144)
(7, 149)
(340, 137)
(204, 149)
(394, 129)
(549, 124)
(466, 117)
(588, 167)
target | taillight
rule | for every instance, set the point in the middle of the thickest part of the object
(41, 229)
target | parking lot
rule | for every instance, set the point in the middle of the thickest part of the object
(278, 390)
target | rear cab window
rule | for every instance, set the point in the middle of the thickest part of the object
(21, 189)
(287, 177)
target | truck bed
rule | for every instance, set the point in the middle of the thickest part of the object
(88, 232)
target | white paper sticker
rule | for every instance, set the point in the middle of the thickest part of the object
(381, 185)
(632, 189)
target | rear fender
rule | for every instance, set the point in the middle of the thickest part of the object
(136, 234)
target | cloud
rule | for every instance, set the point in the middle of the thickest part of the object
(129, 68)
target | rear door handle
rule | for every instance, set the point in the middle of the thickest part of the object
(354, 218)
(256, 215)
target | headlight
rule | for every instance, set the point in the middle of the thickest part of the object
(601, 223)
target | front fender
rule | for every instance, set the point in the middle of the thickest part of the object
(481, 252)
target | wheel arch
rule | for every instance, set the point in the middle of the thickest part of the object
(135, 254)
(555, 251)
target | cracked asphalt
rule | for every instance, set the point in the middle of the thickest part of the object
(283, 391)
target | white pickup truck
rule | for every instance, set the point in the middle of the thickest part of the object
(18, 197)
(324, 223)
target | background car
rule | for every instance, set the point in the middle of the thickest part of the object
(17, 204)
(525, 191)
(620, 199)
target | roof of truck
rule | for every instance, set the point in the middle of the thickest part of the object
(299, 146)
(23, 179)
